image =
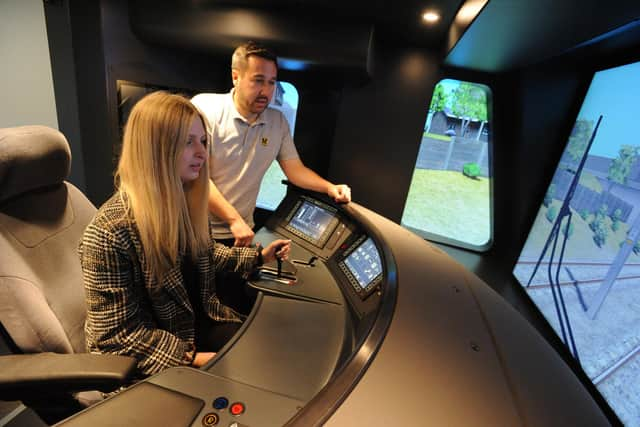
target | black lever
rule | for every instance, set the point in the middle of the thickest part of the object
(279, 266)
(309, 263)
(279, 260)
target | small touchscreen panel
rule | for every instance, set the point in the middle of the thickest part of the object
(313, 221)
(362, 266)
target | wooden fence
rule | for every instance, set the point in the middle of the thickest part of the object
(453, 155)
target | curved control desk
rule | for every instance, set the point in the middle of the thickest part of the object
(367, 325)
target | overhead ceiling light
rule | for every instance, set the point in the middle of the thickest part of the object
(430, 17)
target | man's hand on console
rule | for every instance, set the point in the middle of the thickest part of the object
(340, 193)
(241, 232)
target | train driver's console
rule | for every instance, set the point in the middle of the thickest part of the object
(312, 314)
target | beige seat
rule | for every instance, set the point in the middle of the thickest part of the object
(42, 305)
(42, 219)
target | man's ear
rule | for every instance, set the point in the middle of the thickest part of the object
(234, 76)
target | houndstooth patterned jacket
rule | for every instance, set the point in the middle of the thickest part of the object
(128, 313)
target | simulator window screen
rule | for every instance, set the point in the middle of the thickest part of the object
(581, 262)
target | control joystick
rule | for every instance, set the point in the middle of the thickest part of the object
(280, 271)
(279, 261)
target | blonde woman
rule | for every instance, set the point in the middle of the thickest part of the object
(148, 260)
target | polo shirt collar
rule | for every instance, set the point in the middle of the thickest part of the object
(236, 115)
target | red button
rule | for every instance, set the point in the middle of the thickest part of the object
(236, 408)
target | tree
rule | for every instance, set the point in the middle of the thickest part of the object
(439, 99)
(620, 167)
(548, 197)
(584, 214)
(599, 217)
(469, 103)
(616, 217)
(600, 234)
(579, 138)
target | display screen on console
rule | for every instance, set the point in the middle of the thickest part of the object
(364, 263)
(312, 221)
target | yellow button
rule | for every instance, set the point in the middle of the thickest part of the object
(210, 419)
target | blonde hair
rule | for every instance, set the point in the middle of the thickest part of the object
(172, 218)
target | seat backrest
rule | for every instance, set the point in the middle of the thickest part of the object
(42, 219)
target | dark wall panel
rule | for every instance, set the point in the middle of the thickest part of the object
(128, 58)
(104, 50)
(379, 128)
(211, 27)
(75, 45)
(551, 98)
(86, 41)
(63, 70)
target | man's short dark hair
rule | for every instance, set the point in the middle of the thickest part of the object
(251, 48)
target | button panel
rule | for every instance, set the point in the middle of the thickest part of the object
(221, 403)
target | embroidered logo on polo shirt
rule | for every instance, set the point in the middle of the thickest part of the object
(264, 141)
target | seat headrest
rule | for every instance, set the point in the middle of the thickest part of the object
(31, 157)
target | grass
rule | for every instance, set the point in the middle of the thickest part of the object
(439, 137)
(449, 204)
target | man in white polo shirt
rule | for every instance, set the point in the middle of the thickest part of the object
(247, 137)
